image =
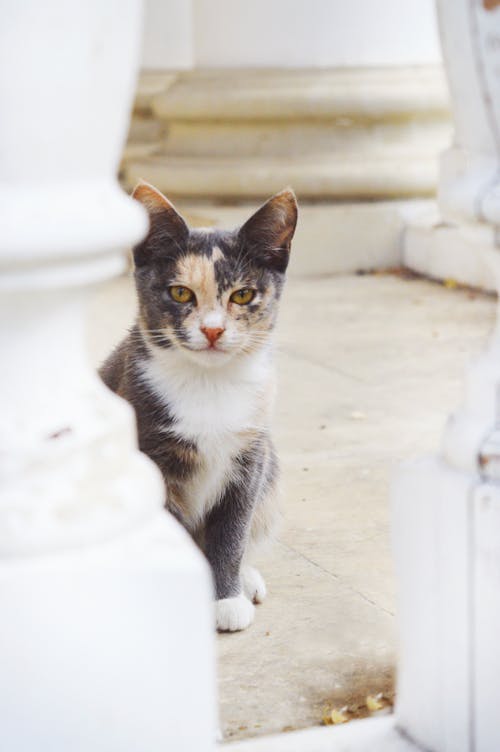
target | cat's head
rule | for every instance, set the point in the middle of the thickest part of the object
(211, 294)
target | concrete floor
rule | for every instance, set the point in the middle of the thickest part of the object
(369, 368)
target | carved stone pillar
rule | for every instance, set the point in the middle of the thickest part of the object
(447, 508)
(105, 625)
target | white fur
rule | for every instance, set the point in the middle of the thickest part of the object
(214, 319)
(211, 407)
(233, 614)
(254, 586)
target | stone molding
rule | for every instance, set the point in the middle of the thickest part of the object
(247, 94)
(443, 250)
(367, 133)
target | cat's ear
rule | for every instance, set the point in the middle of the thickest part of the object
(168, 231)
(268, 233)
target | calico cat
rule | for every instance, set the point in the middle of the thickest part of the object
(197, 367)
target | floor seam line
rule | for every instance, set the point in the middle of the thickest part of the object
(337, 578)
(319, 364)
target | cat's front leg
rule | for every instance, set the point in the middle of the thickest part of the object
(226, 535)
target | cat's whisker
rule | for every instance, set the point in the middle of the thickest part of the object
(142, 335)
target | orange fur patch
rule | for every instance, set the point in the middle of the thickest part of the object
(150, 197)
(197, 273)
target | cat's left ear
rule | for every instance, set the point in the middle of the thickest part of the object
(151, 198)
(268, 233)
(167, 229)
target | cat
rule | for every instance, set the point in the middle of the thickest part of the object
(197, 367)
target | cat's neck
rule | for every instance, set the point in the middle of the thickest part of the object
(209, 402)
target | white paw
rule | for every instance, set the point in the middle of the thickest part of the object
(254, 586)
(233, 614)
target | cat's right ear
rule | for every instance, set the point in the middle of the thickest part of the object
(268, 233)
(168, 232)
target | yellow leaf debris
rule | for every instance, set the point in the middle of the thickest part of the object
(374, 703)
(339, 716)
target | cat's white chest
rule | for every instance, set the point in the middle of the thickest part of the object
(205, 409)
(215, 411)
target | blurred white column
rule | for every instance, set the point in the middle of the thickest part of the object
(447, 508)
(106, 624)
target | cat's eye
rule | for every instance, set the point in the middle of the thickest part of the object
(243, 296)
(181, 294)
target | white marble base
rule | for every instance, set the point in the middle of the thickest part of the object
(443, 251)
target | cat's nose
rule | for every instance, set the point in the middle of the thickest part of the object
(212, 333)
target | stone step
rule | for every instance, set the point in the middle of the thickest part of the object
(337, 176)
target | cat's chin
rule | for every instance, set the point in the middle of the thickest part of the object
(209, 357)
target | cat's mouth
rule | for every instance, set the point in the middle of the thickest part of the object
(209, 356)
(212, 352)
(206, 348)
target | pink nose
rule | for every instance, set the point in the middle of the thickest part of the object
(212, 334)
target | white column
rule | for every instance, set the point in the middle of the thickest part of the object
(168, 35)
(105, 624)
(447, 508)
(322, 34)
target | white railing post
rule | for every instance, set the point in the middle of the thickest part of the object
(106, 627)
(446, 514)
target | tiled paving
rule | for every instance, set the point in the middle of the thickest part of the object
(369, 368)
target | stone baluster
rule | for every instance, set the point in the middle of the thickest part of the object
(106, 625)
(447, 508)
